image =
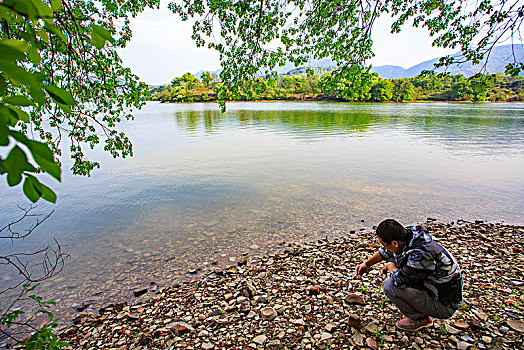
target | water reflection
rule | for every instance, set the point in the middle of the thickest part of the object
(492, 127)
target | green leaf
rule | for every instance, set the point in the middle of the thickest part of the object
(7, 117)
(34, 190)
(31, 188)
(60, 95)
(18, 45)
(44, 36)
(31, 8)
(18, 136)
(56, 5)
(3, 85)
(19, 114)
(44, 158)
(30, 168)
(14, 165)
(64, 107)
(48, 194)
(55, 30)
(12, 50)
(4, 132)
(44, 11)
(38, 95)
(34, 56)
(17, 100)
(99, 36)
(18, 75)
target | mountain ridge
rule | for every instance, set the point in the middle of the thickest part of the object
(500, 56)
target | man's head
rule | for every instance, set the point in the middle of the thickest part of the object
(393, 236)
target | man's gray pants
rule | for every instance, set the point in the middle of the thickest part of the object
(415, 303)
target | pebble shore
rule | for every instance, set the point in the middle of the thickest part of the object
(308, 297)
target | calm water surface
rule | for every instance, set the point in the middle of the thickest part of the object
(204, 186)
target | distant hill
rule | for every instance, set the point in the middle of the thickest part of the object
(500, 56)
(288, 68)
(303, 71)
(200, 72)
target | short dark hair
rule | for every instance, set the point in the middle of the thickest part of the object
(390, 230)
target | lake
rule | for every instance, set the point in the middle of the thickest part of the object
(207, 187)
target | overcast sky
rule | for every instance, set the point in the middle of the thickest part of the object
(162, 48)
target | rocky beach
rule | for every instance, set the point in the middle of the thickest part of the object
(308, 297)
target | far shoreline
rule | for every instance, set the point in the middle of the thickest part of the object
(339, 101)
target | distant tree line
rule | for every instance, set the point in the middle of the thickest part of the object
(358, 86)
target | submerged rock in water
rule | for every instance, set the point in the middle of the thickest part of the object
(140, 292)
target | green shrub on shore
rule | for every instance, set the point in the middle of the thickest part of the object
(41, 338)
(358, 86)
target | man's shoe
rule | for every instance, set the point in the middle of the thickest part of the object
(408, 324)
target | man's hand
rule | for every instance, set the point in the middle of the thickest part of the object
(362, 269)
(388, 267)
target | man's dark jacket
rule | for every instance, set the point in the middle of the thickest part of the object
(425, 264)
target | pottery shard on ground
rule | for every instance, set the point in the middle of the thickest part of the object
(461, 324)
(268, 313)
(516, 325)
(354, 299)
(372, 327)
(249, 290)
(181, 328)
(451, 329)
(354, 321)
(358, 339)
(299, 322)
(486, 339)
(325, 336)
(371, 343)
(207, 346)
(279, 308)
(232, 270)
(330, 327)
(481, 315)
(462, 345)
(475, 325)
(260, 339)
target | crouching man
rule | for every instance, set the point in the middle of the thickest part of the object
(424, 278)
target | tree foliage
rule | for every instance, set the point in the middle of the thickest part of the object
(257, 36)
(355, 85)
(360, 86)
(382, 90)
(61, 80)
